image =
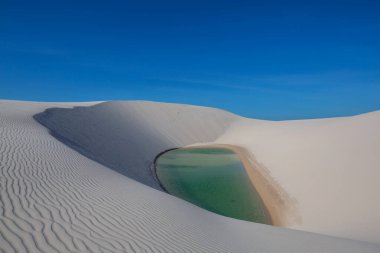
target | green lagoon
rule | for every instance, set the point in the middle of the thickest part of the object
(212, 178)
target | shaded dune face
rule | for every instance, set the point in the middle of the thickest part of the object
(126, 136)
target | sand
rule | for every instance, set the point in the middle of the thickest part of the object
(82, 182)
(329, 169)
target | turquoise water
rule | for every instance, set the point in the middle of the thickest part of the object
(212, 178)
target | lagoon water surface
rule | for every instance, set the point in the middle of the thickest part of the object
(212, 178)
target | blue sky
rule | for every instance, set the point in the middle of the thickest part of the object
(264, 59)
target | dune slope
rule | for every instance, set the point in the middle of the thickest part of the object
(329, 167)
(55, 199)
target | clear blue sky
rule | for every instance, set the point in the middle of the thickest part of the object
(264, 59)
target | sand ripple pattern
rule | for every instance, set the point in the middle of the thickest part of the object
(54, 199)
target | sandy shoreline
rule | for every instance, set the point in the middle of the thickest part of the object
(273, 197)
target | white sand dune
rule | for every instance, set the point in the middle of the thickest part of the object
(330, 167)
(55, 199)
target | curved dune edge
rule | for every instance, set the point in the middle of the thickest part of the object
(279, 205)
